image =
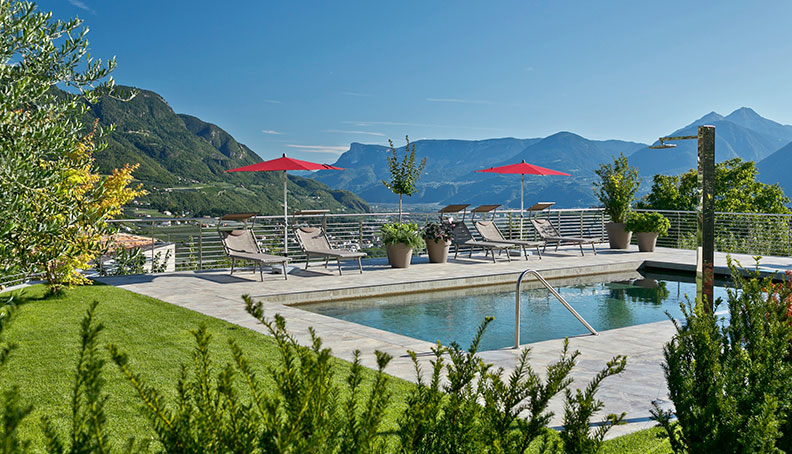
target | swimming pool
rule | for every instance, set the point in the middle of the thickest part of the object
(606, 302)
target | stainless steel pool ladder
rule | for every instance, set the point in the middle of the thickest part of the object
(555, 293)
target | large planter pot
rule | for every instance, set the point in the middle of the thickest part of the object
(617, 236)
(646, 241)
(438, 250)
(399, 255)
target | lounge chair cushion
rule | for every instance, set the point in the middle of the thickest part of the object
(461, 236)
(490, 232)
(315, 242)
(547, 232)
(260, 257)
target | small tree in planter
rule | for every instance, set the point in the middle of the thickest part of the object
(404, 172)
(438, 240)
(647, 227)
(400, 240)
(618, 185)
(404, 177)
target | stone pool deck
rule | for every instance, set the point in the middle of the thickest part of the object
(218, 294)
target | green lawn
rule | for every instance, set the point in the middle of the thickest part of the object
(156, 335)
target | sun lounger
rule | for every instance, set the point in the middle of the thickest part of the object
(314, 242)
(461, 237)
(549, 234)
(491, 233)
(241, 244)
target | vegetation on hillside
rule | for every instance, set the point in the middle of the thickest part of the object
(182, 163)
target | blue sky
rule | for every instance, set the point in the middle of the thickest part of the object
(307, 78)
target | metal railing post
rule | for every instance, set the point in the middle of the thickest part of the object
(200, 246)
(152, 245)
(560, 227)
(360, 233)
(602, 225)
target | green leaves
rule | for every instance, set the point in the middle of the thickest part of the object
(404, 172)
(617, 186)
(730, 378)
(736, 190)
(648, 222)
(402, 233)
(479, 410)
(54, 205)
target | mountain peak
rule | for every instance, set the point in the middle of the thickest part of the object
(564, 135)
(748, 118)
(744, 111)
(710, 117)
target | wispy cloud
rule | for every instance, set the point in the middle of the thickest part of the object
(459, 101)
(331, 149)
(271, 132)
(355, 93)
(364, 123)
(82, 6)
(271, 101)
(366, 133)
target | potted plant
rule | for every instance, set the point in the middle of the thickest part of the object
(437, 236)
(400, 240)
(647, 227)
(617, 186)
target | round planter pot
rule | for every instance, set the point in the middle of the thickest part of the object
(399, 255)
(617, 236)
(438, 251)
(646, 241)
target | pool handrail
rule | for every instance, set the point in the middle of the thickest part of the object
(555, 293)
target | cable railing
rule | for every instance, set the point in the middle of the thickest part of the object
(739, 233)
(193, 243)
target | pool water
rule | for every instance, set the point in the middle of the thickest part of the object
(454, 316)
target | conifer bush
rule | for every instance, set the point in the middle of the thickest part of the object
(730, 378)
(297, 407)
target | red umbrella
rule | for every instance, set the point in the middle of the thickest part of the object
(523, 169)
(283, 164)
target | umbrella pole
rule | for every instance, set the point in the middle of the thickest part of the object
(285, 218)
(522, 191)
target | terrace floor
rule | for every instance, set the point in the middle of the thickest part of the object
(218, 294)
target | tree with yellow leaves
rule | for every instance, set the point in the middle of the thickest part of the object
(54, 206)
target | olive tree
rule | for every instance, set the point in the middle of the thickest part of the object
(53, 204)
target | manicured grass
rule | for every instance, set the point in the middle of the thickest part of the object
(157, 337)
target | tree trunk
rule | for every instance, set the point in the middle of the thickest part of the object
(400, 208)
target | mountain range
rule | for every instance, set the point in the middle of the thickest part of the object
(182, 160)
(450, 175)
